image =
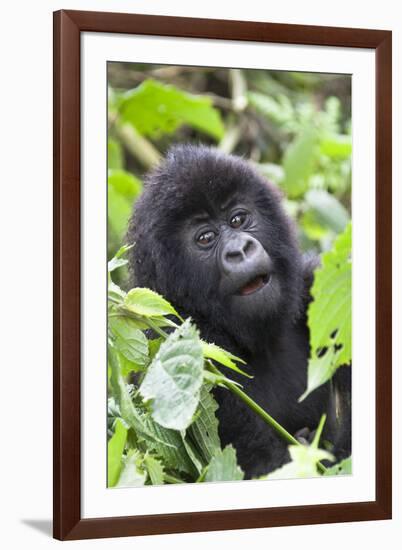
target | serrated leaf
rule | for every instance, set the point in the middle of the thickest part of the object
(132, 475)
(298, 163)
(155, 470)
(129, 413)
(204, 430)
(115, 449)
(330, 314)
(129, 340)
(154, 108)
(212, 351)
(169, 446)
(148, 303)
(173, 380)
(192, 453)
(223, 467)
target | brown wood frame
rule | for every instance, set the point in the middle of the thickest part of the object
(68, 26)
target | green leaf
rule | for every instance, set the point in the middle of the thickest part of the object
(154, 468)
(192, 453)
(204, 429)
(336, 146)
(148, 303)
(173, 380)
(154, 346)
(169, 446)
(304, 459)
(223, 467)
(115, 263)
(132, 475)
(123, 189)
(279, 112)
(131, 416)
(312, 227)
(154, 108)
(129, 340)
(328, 211)
(343, 468)
(299, 162)
(115, 293)
(118, 211)
(212, 351)
(330, 314)
(114, 154)
(115, 449)
(124, 183)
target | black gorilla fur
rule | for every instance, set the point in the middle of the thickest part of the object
(267, 328)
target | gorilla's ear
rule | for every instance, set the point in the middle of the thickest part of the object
(310, 262)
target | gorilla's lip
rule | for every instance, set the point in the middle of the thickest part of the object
(254, 284)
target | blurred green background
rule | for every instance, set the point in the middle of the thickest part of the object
(295, 127)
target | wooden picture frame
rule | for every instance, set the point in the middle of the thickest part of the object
(68, 26)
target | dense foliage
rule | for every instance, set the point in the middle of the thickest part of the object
(296, 128)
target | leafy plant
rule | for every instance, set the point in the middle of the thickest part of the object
(330, 313)
(162, 424)
(162, 411)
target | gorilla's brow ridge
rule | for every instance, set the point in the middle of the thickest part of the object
(229, 202)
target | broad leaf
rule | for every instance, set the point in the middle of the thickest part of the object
(114, 154)
(304, 460)
(123, 189)
(169, 446)
(328, 211)
(336, 146)
(204, 430)
(154, 468)
(299, 162)
(212, 351)
(115, 449)
(144, 301)
(132, 474)
(124, 183)
(154, 108)
(173, 380)
(133, 418)
(129, 340)
(223, 467)
(330, 314)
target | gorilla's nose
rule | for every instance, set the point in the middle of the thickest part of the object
(238, 250)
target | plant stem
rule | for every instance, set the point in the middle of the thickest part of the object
(268, 419)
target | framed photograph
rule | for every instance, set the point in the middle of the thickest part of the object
(222, 352)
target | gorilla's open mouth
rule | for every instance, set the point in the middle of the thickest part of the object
(256, 283)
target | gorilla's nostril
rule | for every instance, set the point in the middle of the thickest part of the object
(234, 256)
(249, 247)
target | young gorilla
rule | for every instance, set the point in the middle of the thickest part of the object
(211, 236)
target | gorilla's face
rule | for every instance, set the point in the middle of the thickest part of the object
(211, 236)
(227, 241)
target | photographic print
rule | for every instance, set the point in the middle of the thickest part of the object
(208, 178)
(229, 274)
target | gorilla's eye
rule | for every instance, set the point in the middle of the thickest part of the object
(206, 238)
(237, 220)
